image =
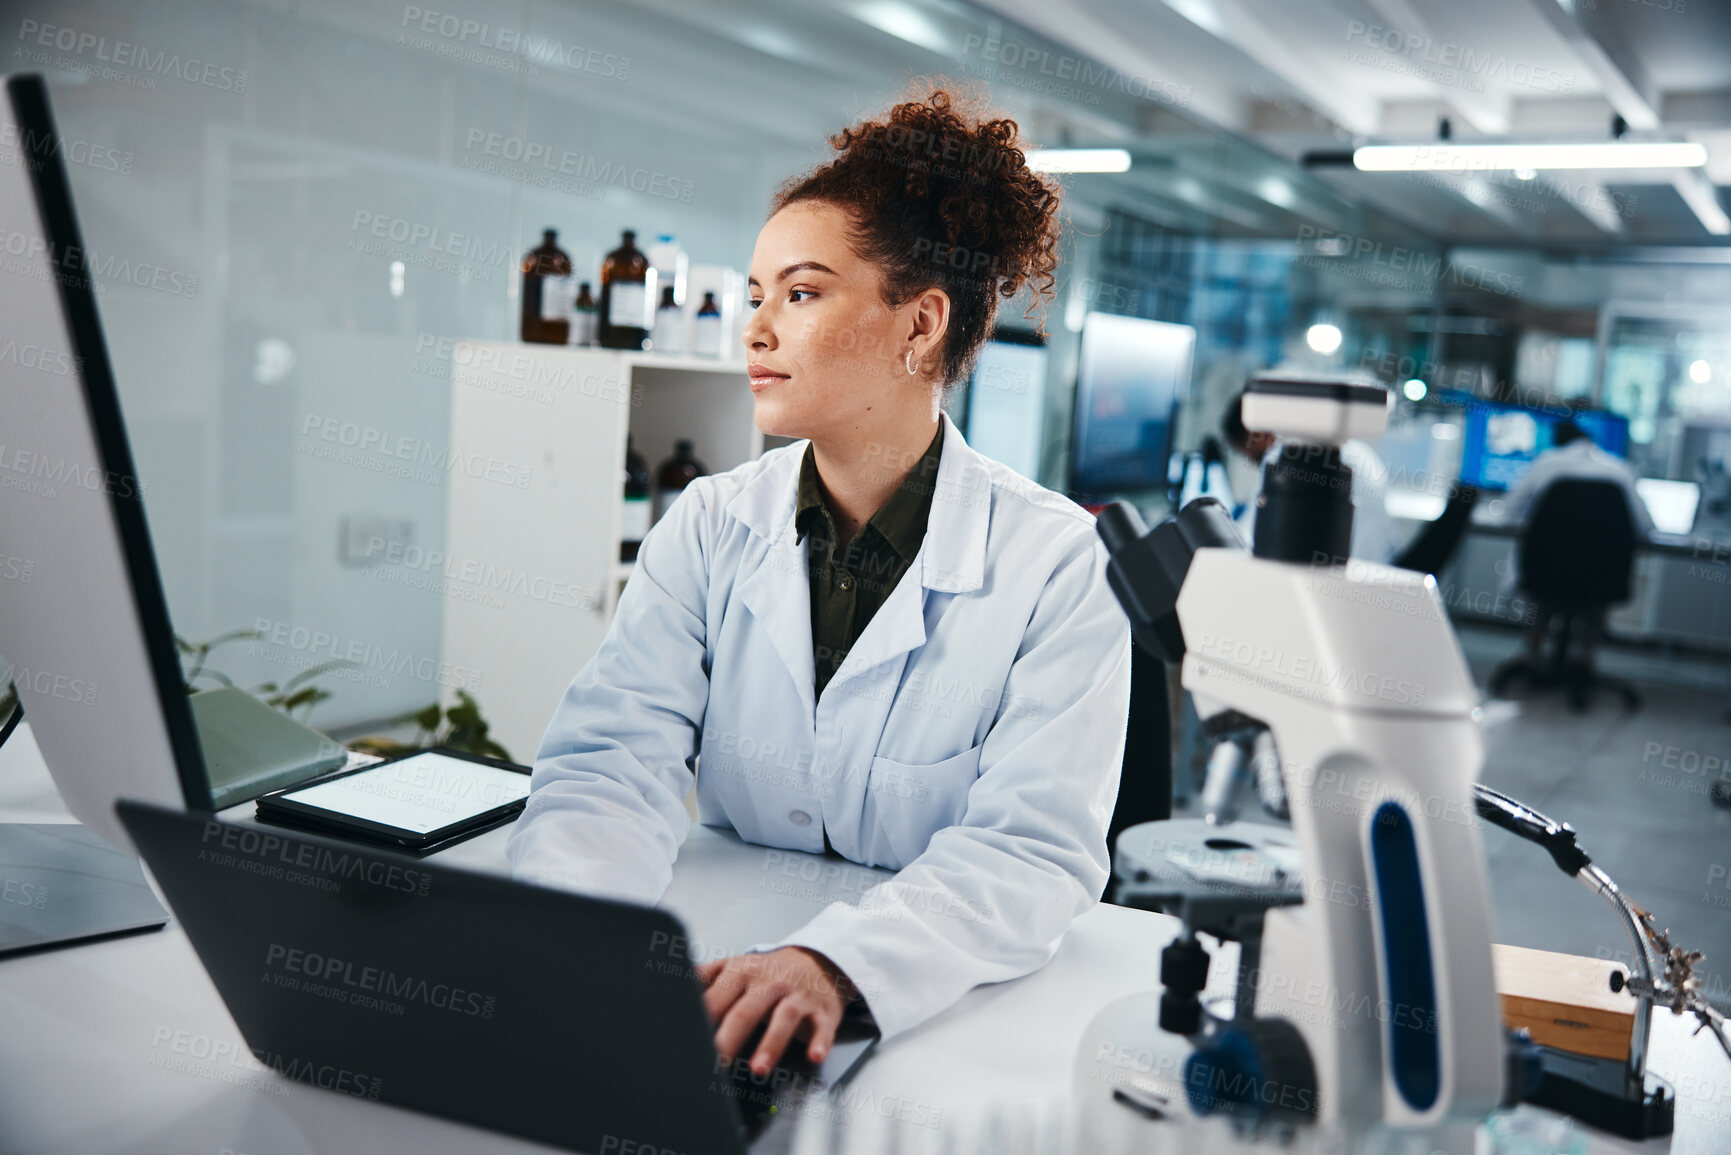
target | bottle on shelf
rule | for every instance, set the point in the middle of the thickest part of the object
(668, 335)
(634, 520)
(546, 292)
(670, 264)
(675, 474)
(627, 306)
(706, 328)
(583, 317)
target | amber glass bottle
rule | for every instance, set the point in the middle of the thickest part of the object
(627, 304)
(675, 474)
(547, 292)
(583, 317)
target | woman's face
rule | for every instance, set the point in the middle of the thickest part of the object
(827, 353)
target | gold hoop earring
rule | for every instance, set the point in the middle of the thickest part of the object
(908, 360)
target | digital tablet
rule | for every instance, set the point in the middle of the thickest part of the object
(420, 802)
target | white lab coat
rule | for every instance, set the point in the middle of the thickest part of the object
(972, 739)
(1579, 459)
(1372, 528)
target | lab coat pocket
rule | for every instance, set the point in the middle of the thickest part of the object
(914, 802)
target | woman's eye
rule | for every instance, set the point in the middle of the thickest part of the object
(794, 293)
(755, 302)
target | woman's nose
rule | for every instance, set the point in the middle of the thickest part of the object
(756, 333)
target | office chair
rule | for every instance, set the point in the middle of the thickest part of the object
(1577, 558)
(1145, 778)
(1436, 543)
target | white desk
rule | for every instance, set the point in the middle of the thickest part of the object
(124, 1045)
(1681, 584)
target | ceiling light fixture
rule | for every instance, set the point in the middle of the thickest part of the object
(1453, 157)
(1079, 160)
(1324, 338)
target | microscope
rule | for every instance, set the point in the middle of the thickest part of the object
(1363, 994)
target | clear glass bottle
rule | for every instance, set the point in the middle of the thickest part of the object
(627, 307)
(670, 264)
(546, 292)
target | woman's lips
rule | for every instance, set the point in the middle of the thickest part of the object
(762, 378)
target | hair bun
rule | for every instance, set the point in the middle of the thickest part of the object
(940, 193)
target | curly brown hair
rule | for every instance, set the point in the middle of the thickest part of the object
(939, 194)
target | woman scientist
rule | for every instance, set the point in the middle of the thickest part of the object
(880, 643)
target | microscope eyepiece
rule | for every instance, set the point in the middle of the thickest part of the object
(1304, 512)
(1147, 568)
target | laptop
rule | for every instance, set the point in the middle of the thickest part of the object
(573, 1021)
(1671, 504)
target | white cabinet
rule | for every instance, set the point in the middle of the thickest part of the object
(532, 534)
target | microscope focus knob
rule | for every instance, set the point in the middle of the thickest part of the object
(1183, 974)
(1253, 1070)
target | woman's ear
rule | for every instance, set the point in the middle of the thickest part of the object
(929, 320)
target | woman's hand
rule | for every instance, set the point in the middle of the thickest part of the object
(798, 989)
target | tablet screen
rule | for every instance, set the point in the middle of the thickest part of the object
(419, 794)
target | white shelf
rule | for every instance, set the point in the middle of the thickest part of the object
(685, 361)
(631, 357)
(556, 538)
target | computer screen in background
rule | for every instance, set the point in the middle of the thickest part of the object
(1006, 400)
(1501, 441)
(1132, 376)
(1671, 504)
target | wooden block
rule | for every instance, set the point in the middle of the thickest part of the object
(1565, 1001)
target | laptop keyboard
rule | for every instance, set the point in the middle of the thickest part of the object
(759, 1100)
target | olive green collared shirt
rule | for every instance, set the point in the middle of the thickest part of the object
(847, 588)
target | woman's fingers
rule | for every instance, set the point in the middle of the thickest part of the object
(824, 1021)
(793, 987)
(741, 1019)
(727, 982)
(788, 1015)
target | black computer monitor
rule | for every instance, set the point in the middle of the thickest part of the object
(88, 635)
(1132, 376)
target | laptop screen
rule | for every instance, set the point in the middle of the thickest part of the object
(1671, 504)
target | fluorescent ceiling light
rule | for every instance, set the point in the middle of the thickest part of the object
(904, 22)
(1079, 160)
(1496, 157)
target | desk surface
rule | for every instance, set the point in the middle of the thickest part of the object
(124, 1045)
(1416, 506)
(1668, 543)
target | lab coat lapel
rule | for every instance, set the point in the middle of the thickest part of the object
(951, 559)
(778, 590)
(897, 627)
